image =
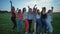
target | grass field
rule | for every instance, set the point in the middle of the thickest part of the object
(6, 24)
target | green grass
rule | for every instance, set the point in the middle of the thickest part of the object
(6, 24)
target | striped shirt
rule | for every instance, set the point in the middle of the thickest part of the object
(25, 15)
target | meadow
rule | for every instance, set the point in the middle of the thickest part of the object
(6, 24)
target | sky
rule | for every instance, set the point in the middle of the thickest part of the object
(5, 4)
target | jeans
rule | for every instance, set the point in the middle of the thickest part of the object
(38, 23)
(30, 25)
(14, 22)
(44, 24)
(19, 23)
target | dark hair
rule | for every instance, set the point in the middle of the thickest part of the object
(44, 8)
(24, 10)
(13, 8)
(19, 10)
(38, 11)
(49, 11)
(30, 9)
(34, 10)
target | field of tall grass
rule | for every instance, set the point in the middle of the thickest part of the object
(6, 24)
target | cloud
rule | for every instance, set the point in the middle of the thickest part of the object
(40, 3)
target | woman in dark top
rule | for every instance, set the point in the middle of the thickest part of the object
(43, 19)
(13, 17)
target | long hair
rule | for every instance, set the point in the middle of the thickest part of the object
(38, 12)
(19, 11)
(13, 9)
(24, 10)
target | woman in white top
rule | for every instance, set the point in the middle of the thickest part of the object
(38, 21)
(25, 19)
(49, 20)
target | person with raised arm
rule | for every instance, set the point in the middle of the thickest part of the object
(52, 8)
(38, 21)
(19, 21)
(25, 19)
(43, 19)
(13, 17)
(49, 20)
(34, 18)
(30, 18)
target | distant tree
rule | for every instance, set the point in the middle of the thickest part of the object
(1, 11)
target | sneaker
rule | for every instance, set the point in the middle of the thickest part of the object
(44, 33)
(29, 33)
(40, 33)
(26, 32)
(34, 33)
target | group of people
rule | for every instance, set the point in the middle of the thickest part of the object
(41, 19)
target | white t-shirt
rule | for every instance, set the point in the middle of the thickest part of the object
(25, 15)
(49, 17)
(37, 16)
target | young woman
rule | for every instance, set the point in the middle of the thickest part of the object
(38, 21)
(25, 18)
(13, 17)
(19, 23)
(34, 18)
(43, 19)
(49, 20)
(30, 19)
